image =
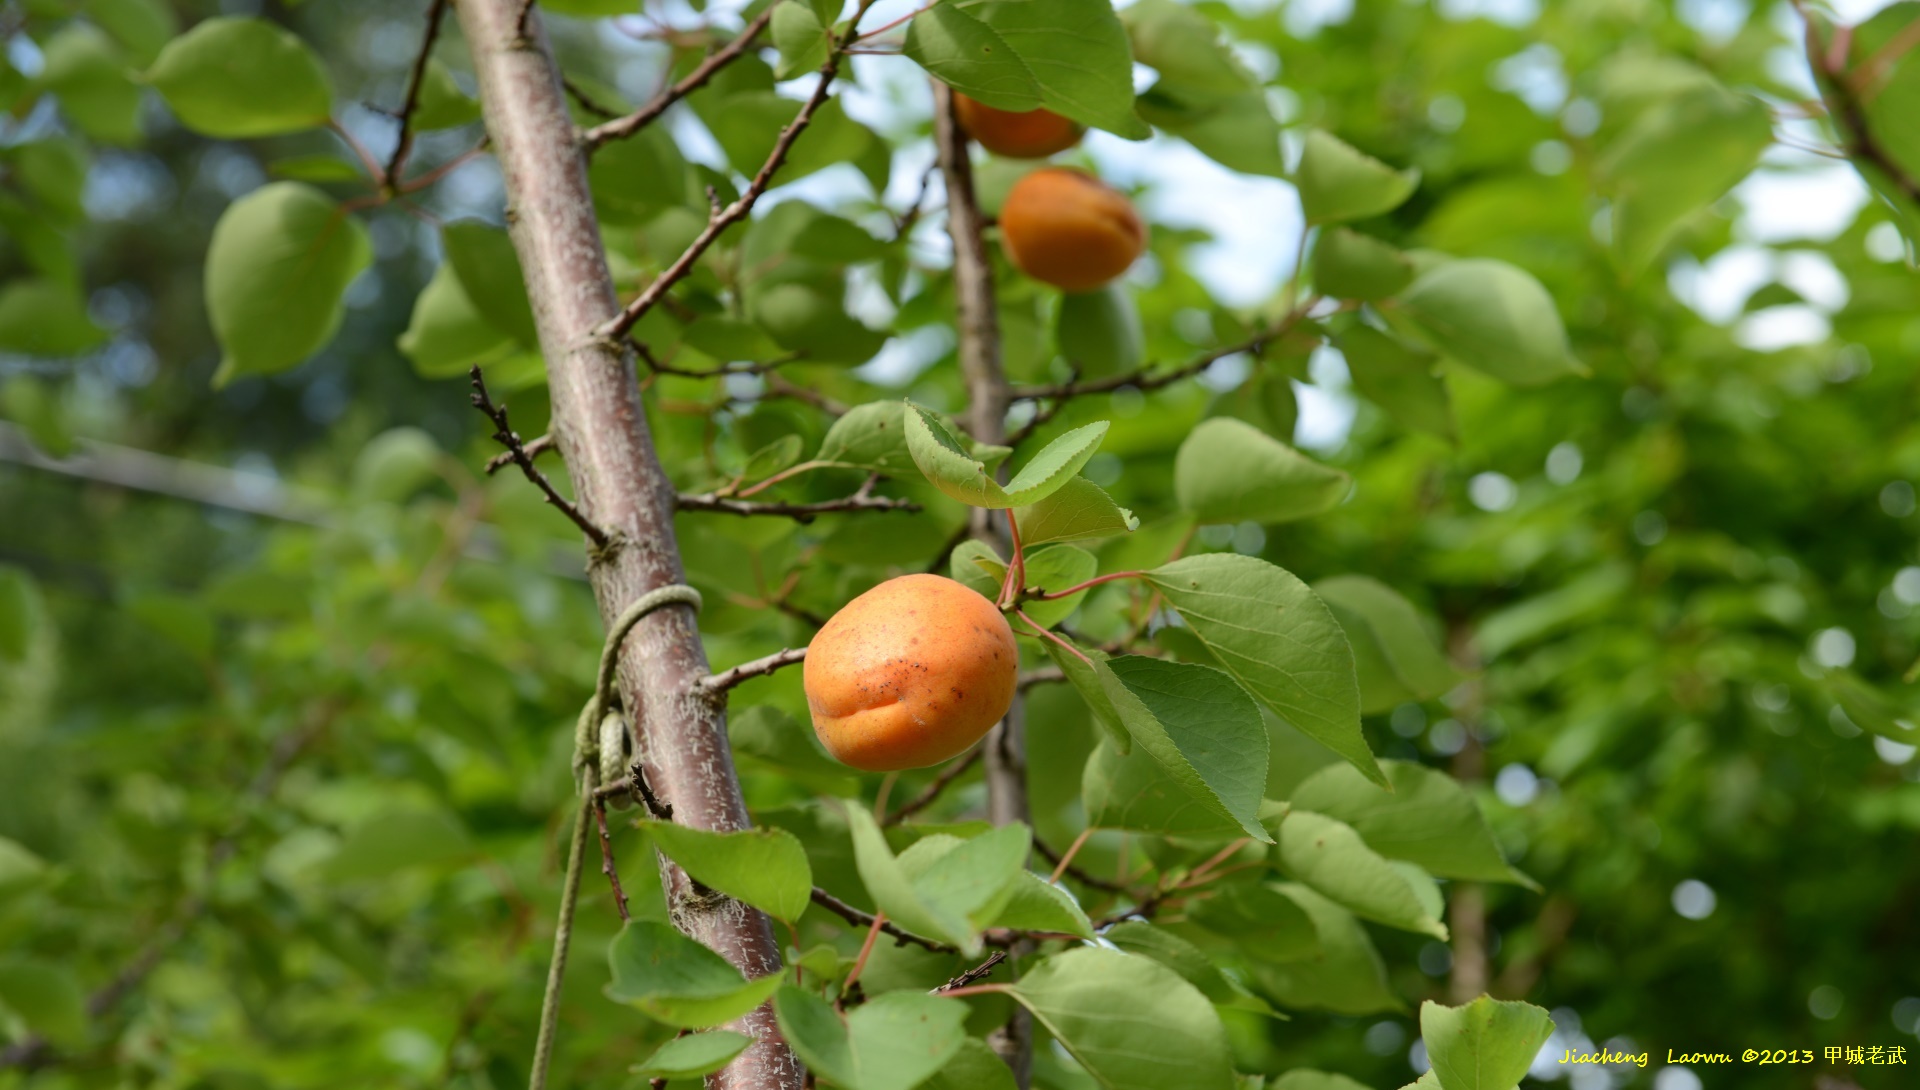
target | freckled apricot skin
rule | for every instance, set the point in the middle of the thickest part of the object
(1069, 229)
(1016, 134)
(910, 674)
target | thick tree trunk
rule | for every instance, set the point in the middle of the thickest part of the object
(977, 318)
(601, 429)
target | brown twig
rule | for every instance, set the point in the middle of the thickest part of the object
(534, 448)
(858, 918)
(778, 386)
(607, 866)
(622, 127)
(758, 368)
(927, 795)
(517, 453)
(722, 218)
(586, 101)
(977, 972)
(761, 667)
(403, 146)
(1075, 873)
(799, 512)
(635, 783)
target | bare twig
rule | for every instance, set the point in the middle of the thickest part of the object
(799, 512)
(534, 448)
(762, 367)
(781, 387)
(726, 679)
(586, 101)
(1077, 874)
(517, 452)
(403, 145)
(976, 973)
(618, 326)
(622, 127)
(607, 866)
(858, 918)
(927, 795)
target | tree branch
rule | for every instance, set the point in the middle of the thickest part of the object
(517, 453)
(799, 512)
(403, 145)
(927, 795)
(858, 918)
(532, 448)
(622, 127)
(747, 671)
(780, 387)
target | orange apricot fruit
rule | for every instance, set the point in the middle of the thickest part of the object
(909, 674)
(1016, 134)
(1070, 229)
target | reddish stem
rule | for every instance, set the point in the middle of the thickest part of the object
(975, 989)
(866, 948)
(1066, 859)
(1094, 582)
(790, 471)
(1016, 579)
(1044, 634)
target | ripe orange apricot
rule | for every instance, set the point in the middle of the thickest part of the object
(1069, 229)
(1016, 134)
(909, 674)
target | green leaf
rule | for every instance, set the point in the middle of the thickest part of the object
(42, 318)
(635, 178)
(939, 887)
(53, 171)
(1871, 708)
(678, 981)
(974, 1067)
(1677, 157)
(1344, 974)
(1485, 1045)
(768, 734)
(1492, 317)
(1338, 182)
(20, 869)
(1099, 331)
(1080, 674)
(1137, 792)
(1077, 510)
(1278, 640)
(1057, 567)
(447, 333)
(975, 564)
(1350, 265)
(894, 1041)
(1055, 465)
(1200, 726)
(142, 27)
(748, 123)
(235, 77)
(1176, 953)
(1306, 1078)
(86, 70)
(1230, 471)
(1398, 380)
(1266, 923)
(1396, 659)
(483, 258)
(1238, 132)
(1893, 98)
(278, 266)
(46, 996)
(1331, 858)
(694, 1055)
(772, 458)
(314, 168)
(871, 436)
(397, 839)
(1069, 56)
(1185, 47)
(443, 105)
(957, 468)
(766, 868)
(801, 39)
(803, 318)
(1428, 818)
(1036, 904)
(1130, 1021)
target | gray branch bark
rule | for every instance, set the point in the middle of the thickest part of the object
(600, 426)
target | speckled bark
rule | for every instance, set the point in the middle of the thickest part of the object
(602, 432)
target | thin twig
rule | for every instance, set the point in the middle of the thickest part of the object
(618, 326)
(622, 127)
(517, 452)
(1065, 866)
(929, 793)
(403, 146)
(586, 101)
(778, 386)
(360, 152)
(534, 448)
(798, 512)
(858, 918)
(607, 866)
(719, 683)
(983, 969)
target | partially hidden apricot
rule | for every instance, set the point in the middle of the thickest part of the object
(1016, 134)
(909, 674)
(1069, 229)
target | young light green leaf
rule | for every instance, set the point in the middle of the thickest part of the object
(1055, 465)
(1677, 157)
(694, 1055)
(1428, 818)
(894, 1041)
(1057, 567)
(871, 437)
(766, 868)
(974, 1067)
(278, 266)
(1398, 380)
(1185, 47)
(1200, 726)
(1339, 182)
(678, 981)
(447, 334)
(443, 105)
(1069, 56)
(1397, 659)
(1278, 640)
(975, 564)
(489, 271)
(772, 458)
(1078, 509)
(43, 318)
(1344, 974)
(142, 27)
(86, 71)
(1239, 131)
(1332, 859)
(236, 77)
(968, 879)
(1036, 904)
(1350, 265)
(800, 38)
(1485, 1045)
(949, 462)
(1130, 1021)
(1100, 332)
(1493, 317)
(1230, 471)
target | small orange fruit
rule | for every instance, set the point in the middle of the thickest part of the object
(1016, 134)
(1070, 229)
(909, 674)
